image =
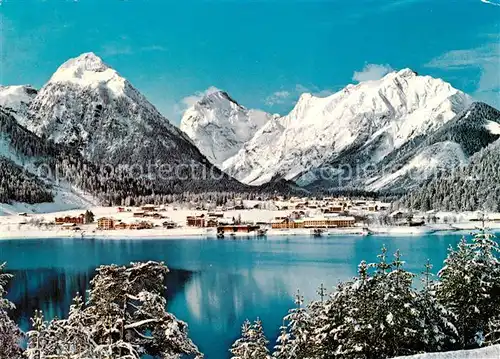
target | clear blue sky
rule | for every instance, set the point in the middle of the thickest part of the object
(264, 53)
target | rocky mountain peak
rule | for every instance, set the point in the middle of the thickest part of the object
(17, 99)
(372, 117)
(219, 126)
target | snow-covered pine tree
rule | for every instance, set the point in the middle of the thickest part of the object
(282, 349)
(62, 338)
(470, 287)
(252, 344)
(316, 310)
(437, 331)
(399, 306)
(10, 334)
(133, 300)
(343, 324)
(125, 317)
(37, 337)
(380, 316)
(298, 344)
(328, 322)
(258, 337)
(242, 347)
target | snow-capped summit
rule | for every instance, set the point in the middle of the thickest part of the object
(89, 70)
(16, 99)
(87, 61)
(369, 120)
(89, 105)
(219, 126)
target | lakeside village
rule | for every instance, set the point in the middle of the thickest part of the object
(301, 216)
(219, 223)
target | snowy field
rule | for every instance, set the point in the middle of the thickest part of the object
(15, 226)
(492, 352)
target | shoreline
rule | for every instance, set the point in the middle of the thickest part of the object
(202, 233)
(39, 225)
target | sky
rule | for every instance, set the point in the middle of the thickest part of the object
(264, 53)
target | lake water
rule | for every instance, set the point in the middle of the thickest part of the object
(214, 284)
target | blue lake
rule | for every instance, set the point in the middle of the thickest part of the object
(214, 284)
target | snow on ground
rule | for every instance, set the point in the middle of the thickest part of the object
(64, 199)
(492, 352)
(14, 226)
(493, 127)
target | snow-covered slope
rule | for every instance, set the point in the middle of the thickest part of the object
(363, 122)
(17, 99)
(491, 352)
(447, 148)
(26, 163)
(434, 158)
(219, 126)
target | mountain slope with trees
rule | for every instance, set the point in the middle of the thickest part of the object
(474, 186)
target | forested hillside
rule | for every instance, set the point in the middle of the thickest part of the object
(16, 184)
(468, 188)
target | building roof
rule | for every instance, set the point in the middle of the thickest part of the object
(330, 218)
(276, 220)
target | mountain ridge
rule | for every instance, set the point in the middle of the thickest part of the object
(372, 117)
(219, 126)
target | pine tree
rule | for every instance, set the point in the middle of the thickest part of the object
(340, 326)
(401, 310)
(242, 347)
(299, 331)
(89, 216)
(258, 337)
(10, 334)
(252, 344)
(376, 314)
(37, 339)
(470, 287)
(282, 349)
(125, 317)
(437, 332)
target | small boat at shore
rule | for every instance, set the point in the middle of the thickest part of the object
(261, 232)
(317, 232)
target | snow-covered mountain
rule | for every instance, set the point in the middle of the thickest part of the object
(359, 125)
(88, 105)
(219, 126)
(447, 148)
(17, 99)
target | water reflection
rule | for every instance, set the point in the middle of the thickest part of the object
(52, 290)
(217, 284)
